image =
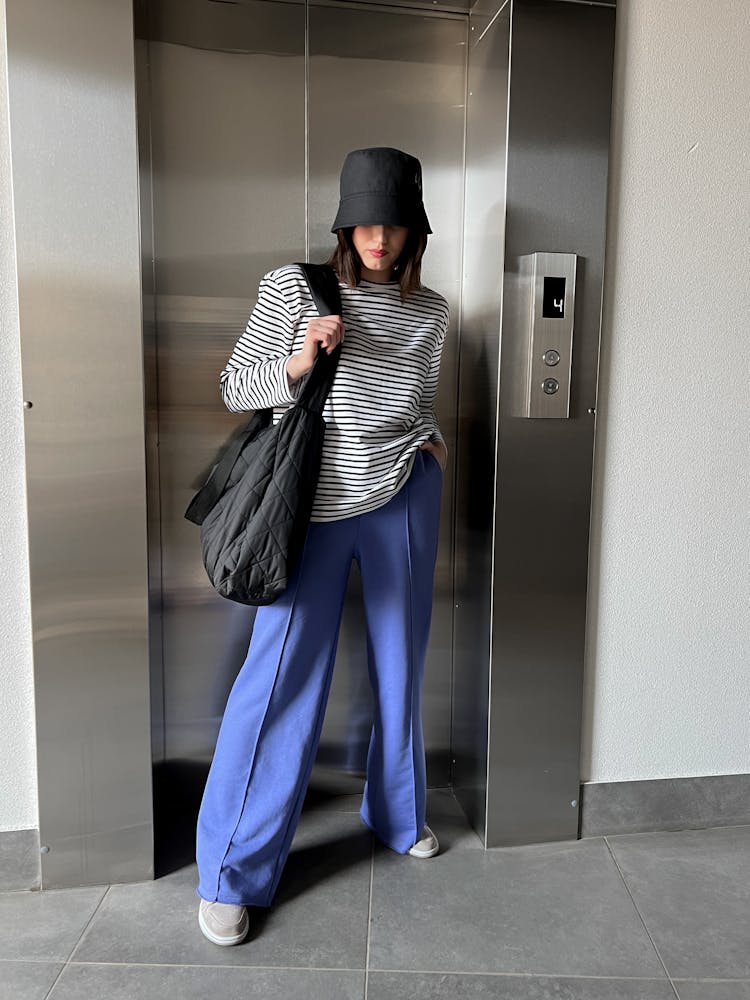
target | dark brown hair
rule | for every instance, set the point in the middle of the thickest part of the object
(408, 268)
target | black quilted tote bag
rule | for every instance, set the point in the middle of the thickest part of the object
(254, 509)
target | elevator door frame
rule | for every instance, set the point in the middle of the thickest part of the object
(96, 636)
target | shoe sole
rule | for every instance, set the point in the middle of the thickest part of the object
(215, 939)
(423, 854)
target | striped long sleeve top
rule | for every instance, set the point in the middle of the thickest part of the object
(381, 406)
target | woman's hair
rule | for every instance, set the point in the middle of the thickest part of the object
(407, 270)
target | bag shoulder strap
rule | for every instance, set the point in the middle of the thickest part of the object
(324, 288)
(209, 494)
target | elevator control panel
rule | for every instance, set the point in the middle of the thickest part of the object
(546, 298)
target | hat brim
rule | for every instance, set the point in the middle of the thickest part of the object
(373, 209)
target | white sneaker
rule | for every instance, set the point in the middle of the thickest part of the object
(427, 846)
(223, 923)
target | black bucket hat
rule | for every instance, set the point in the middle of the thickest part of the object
(381, 185)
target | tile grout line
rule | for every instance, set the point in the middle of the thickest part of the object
(485, 974)
(468, 973)
(86, 926)
(193, 965)
(369, 914)
(640, 916)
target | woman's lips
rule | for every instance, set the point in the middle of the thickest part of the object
(378, 253)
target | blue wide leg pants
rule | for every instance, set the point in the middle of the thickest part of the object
(273, 718)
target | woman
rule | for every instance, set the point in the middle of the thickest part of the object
(377, 501)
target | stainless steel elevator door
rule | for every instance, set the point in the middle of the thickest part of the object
(379, 78)
(227, 174)
(236, 191)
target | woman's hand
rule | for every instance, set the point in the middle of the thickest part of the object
(327, 331)
(438, 449)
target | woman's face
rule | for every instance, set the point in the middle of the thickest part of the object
(378, 248)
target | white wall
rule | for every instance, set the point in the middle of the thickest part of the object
(668, 681)
(18, 801)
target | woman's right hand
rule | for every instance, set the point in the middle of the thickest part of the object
(327, 331)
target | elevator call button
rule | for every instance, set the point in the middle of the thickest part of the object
(551, 357)
(550, 386)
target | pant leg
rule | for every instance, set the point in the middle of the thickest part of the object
(271, 727)
(397, 552)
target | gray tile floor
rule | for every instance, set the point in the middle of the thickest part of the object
(648, 916)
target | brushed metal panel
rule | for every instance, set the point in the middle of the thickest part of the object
(484, 233)
(424, 8)
(75, 182)
(225, 101)
(421, 7)
(245, 27)
(228, 137)
(151, 394)
(558, 141)
(394, 79)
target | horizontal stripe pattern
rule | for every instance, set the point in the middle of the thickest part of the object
(381, 406)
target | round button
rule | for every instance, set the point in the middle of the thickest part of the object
(551, 357)
(550, 386)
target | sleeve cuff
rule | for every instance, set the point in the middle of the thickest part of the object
(285, 392)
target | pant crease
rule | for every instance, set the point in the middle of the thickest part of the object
(411, 656)
(316, 738)
(253, 758)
